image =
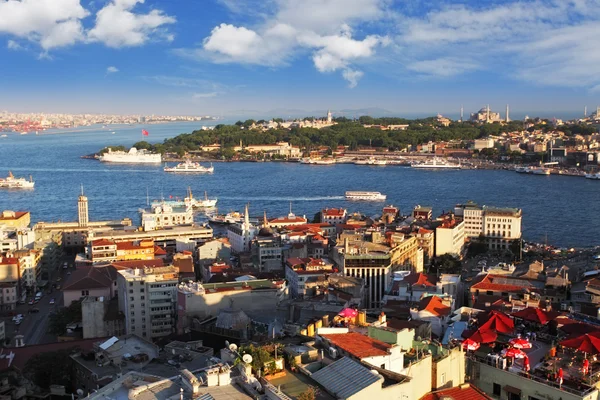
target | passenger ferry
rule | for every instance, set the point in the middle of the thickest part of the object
(189, 166)
(371, 161)
(365, 196)
(320, 161)
(435, 163)
(11, 182)
(595, 176)
(133, 156)
(189, 201)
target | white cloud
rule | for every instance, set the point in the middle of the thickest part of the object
(13, 45)
(111, 70)
(352, 76)
(118, 26)
(442, 67)
(50, 23)
(322, 27)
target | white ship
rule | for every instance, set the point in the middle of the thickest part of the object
(370, 161)
(190, 167)
(11, 182)
(595, 176)
(321, 161)
(435, 163)
(188, 201)
(133, 156)
(365, 196)
(538, 171)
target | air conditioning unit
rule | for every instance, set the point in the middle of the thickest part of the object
(333, 353)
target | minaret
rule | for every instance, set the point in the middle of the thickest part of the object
(265, 220)
(329, 117)
(585, 112)
(82, 208)
(462, 110)
(487, 114)
(507, 117)
(246, 219)
(291, 214)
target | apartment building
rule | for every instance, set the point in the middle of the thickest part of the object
(498, 226)
(147, 298)
(450, 237)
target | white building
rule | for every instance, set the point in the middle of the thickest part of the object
(472, 215)
(502, 226)
(334, 216)
(147, 297)
(486, 143)
(164, 216)
(241, 235)
(450, 238)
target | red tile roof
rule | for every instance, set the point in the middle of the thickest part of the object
(159, 251)
(360, 346)
(8, 260)
(334, 212)
(487, 283)
(421, 279)
(287, 220)
(435, 306)
(157, 262)
(18, 214)
(103, 242)
(464, 392)
(91, 278)
(135, 245)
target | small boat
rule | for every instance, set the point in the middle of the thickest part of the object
(24, 133)
(189, 166)
(113, 132)
(365, 196)
(189, 201)
(521, 170)
(11, 182)
(4, 135)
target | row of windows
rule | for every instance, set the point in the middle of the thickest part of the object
(161, 285)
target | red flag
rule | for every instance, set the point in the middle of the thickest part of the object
(145, 132)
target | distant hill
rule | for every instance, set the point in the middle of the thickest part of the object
(287, 113)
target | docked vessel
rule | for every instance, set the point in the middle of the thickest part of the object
(133, 156)
(226, 219)
(370, 161)
(521, 170)
(538, 171)
(10, 182)
(365, 196)
(320, 161)
(435, 163)
(189, 201)
(190, 167)
(595, 176)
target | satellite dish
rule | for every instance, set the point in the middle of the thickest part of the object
(247, 358)
(233, 347)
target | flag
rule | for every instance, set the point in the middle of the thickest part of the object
(145, 132)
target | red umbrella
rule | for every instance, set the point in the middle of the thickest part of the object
(484, 336)
(348, 313)
(587, 343)
(520, 343)
(497, 321)
(537, 315)
(513, 353)
(470, 345)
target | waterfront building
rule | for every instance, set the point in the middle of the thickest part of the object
(298, 271)
(502, 226)
(484, 143)
(450, 237)
(165, 216)
(472, 215)
(240, 235)
(104, 250)
(334, 216)
(199, 301)
(169, 238)
(147, 298)
(15, 219)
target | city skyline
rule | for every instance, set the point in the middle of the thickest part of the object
(248, 57)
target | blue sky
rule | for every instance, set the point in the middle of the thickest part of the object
(228, 57)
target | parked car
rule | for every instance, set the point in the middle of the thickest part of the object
(34, 310)
(18, 322)
(30, 302)
(52, 301)
(17, 317)
(65, 266)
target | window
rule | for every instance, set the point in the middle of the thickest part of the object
(130, 283)
(132, 313)
(382, 366)
(131, 291)
(143, 297)
(497, 390)
(131, 299)
(443, 378)
(142, 290)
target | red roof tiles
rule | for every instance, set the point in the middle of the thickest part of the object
(421, 279)
(464, 392)
(435, 306)
(360, 346)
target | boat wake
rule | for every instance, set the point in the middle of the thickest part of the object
(267, 198)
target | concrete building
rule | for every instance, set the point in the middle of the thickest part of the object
(104, 250)
(147, 297)
(90, 281)
(100, 317)
(10, 272)
(212, 251)
(165, 216)
(334, 216)
(300, 270)
(450, 237)
(8, 296)
(241, 235)
(30, 267)
(421, 212)
(472, 215)
(269, 251)
(502, 226)
(485, 143)
(196, 300)
(15, 219)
